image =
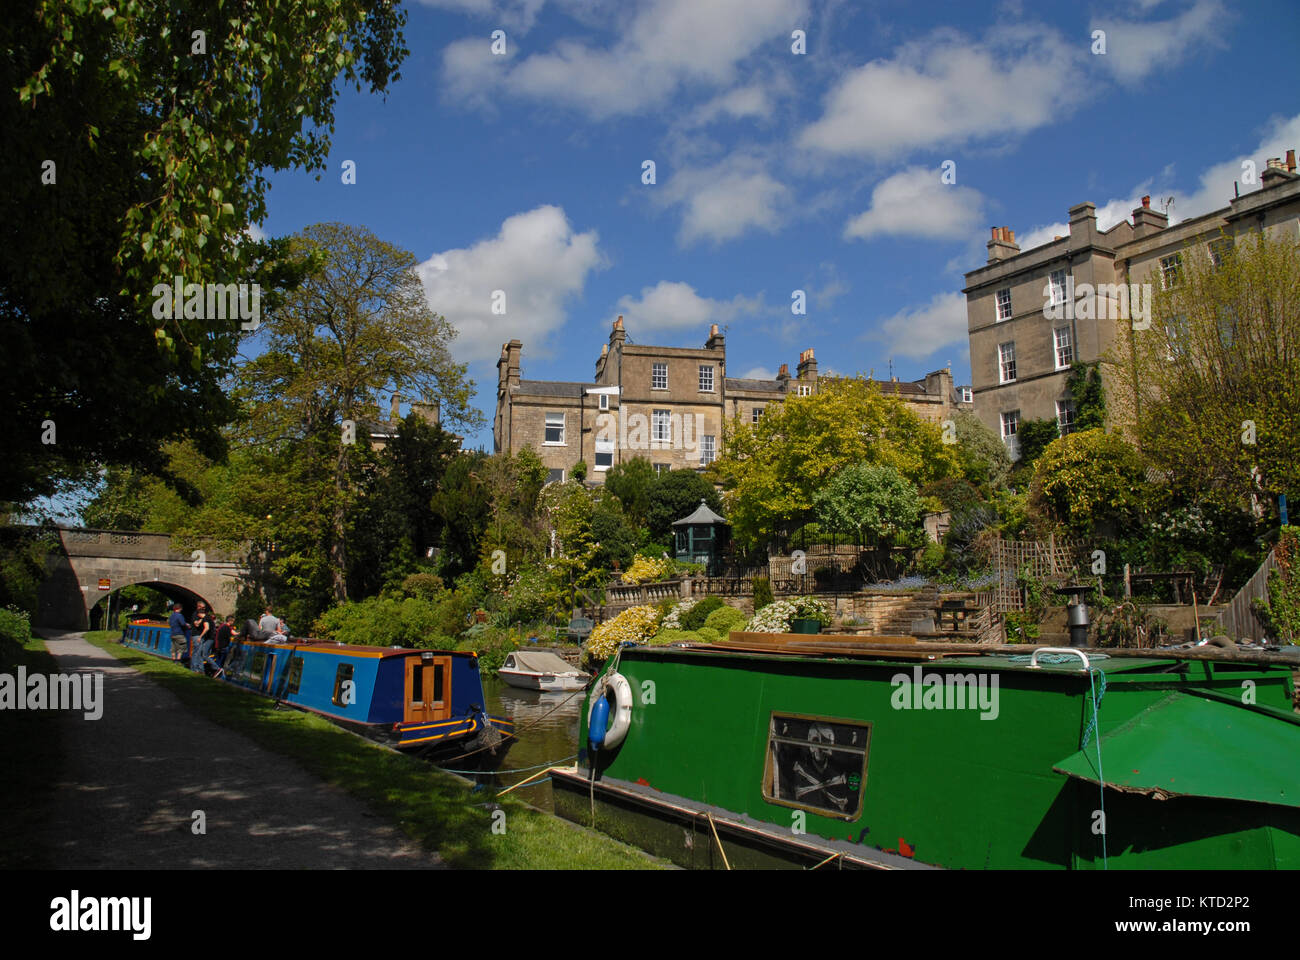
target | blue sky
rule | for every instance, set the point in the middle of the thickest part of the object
(777, 171)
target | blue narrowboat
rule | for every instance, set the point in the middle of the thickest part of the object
(427, 702)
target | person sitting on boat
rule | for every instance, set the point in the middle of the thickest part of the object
(269, 621)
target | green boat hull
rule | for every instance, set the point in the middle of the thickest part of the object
(1200, 759)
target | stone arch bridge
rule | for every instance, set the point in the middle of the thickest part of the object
(88, 565)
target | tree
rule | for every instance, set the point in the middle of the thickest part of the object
(875, 504)
(1034, 437)
(134, 153)
(631, 482)
(356, 329)
(676, 494)
(982, 453)
(393, 525)
(1092, 482)
(1213, 386)
(772, 470)
(463, 507)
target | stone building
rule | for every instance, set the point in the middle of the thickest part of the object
(1031, 314)
(666, 404)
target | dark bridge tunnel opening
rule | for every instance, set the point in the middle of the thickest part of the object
(152, 598)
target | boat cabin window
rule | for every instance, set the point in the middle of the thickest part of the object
(258, 665)
(295, 673)
(417, 683)
(343, 695)
(817, 763)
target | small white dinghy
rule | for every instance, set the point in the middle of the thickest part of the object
(536, 670)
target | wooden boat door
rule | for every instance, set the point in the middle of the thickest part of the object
(428, 688)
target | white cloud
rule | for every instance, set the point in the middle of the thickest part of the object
(723, 201)
(915, 203)
(536, 259)
(758, 373)
(920, 332)
(673, 305)
(946, 90)
(508, 14)
(1213, 192)
(738, 104)
(666, 45)
(1135, 49)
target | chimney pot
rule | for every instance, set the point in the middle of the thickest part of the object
(618, 324)
(1290, 161)
(1146, 202)
(1275, 163)
(1011, 236)
(713, 330)
(995, 233)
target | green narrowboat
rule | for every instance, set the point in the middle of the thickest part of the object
(782, 749)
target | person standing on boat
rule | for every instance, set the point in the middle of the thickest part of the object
(180, 631)
(221, 646)
(206, 629)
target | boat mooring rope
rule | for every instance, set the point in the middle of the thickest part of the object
(1095, 694)
(537, 766)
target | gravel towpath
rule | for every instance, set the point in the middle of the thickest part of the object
(133, 779)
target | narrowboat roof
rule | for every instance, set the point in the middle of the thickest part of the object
(1177, 747)
(352, 649)
(1003, 657)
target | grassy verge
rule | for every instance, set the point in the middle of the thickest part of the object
(31, 755)
(441, 812)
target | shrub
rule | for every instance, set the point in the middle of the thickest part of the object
(725, 619)
(15, 631)
(709, 635)
(492, 644)
(634, 625)
(676, 609)
(776, 616)
(762, 593)
(694, 618)
(648, 569)
(665, 637)
(423, 586)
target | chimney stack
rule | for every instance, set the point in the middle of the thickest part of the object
(716, 340)
(1003, 244)
(1147, 221)
(784, 372)
(807, 369)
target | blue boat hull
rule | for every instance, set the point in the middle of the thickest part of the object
(428, 703)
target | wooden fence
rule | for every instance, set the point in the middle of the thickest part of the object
(1237, 619)
(1054, 559)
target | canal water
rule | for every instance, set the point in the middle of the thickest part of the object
(548, 734)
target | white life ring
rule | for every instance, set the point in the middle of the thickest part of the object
(620, 693)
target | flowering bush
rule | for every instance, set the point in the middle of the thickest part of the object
(648, 569)
(634, 625)
(673, 621)
(776, 616)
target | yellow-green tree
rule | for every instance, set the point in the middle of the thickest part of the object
(1212, 386)
(1091, 481)
(772, 470)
